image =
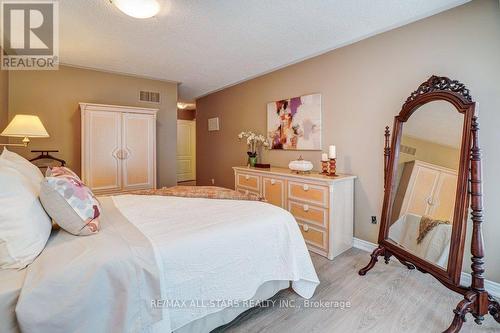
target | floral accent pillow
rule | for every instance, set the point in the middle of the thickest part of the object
(60, 171)
(70, 203)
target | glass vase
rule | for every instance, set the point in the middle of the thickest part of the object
(252, 159)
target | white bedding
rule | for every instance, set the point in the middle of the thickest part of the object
(100, 283)
(434, 247)
(210, 250)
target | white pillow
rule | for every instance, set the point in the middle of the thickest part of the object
(24, 225)
(25, 167)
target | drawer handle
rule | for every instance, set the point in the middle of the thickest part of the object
(306, 208)
(306, 228)
(119, 154)
(247, 192)
(305, 187)
(273, 181)
(247, 177)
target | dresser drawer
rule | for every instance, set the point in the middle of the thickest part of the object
(248, 181)
(311, 214)
(273, 190)
(313, 236)
(315, 194)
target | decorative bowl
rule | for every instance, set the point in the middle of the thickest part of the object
(300, 165)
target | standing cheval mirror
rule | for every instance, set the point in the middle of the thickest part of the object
(432, 177)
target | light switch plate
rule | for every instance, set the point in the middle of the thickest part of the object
(213, 124)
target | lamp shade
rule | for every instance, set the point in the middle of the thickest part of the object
(25, 126)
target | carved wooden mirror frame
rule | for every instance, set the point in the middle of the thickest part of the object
(476, 299)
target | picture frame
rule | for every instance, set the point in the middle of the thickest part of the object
(295, 123)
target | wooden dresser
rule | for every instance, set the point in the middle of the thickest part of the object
(323, 206)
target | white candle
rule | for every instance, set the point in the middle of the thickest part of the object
(332, 152)
(324, 157)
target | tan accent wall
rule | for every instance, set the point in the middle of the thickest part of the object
(4, 102)
(54, 97)
(363, 86)
(186, 114)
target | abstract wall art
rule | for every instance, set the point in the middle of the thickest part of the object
(295, 123)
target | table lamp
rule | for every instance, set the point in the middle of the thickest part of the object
(24, 126)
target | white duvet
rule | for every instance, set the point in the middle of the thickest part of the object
(435, 247)
(213, 252)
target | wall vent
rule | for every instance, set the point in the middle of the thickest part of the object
(408, 150)
(149, 96)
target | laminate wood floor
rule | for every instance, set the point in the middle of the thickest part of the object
(390, 298)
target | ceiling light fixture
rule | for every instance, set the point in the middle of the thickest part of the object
(186, 106)
(138, 8)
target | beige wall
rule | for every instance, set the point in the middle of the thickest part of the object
(54, 97)
(430, 152)
(363, 87)
(4, 99)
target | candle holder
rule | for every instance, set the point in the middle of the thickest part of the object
(324, 167)
(333, 167)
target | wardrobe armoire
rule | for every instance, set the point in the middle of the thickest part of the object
(118, 148)
(426, 189)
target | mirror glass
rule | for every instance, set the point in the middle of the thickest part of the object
(424, 190)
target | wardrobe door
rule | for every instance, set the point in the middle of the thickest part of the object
(138, 152)
(101, 143)
(443, 201)
(420, 193)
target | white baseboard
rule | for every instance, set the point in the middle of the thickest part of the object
(364, 245)
(492, 287)
(465, 279)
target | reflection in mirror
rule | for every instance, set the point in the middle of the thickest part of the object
(426, 182)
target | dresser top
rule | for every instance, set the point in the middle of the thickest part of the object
(313, 175)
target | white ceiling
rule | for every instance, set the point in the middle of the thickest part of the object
(210, 44)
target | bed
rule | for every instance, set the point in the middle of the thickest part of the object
(159, 264)
(435, 247)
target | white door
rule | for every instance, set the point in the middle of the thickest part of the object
(186, 150)
(102, 140)
(138, 151)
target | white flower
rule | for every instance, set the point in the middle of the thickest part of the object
(253, 140)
